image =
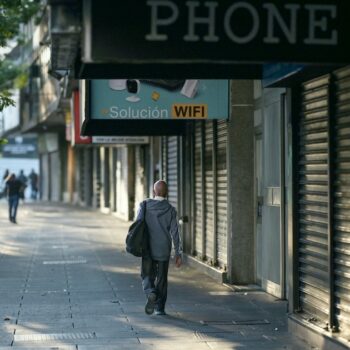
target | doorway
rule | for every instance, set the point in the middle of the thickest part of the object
(268, 190)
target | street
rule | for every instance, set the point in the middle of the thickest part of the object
(67, 283)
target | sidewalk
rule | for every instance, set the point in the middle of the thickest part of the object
(66, 283)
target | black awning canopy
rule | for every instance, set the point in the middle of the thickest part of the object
(98, 127)
(167, 71)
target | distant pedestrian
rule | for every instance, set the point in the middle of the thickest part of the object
(21, 177)
(163, 230)
(33, 178)
(13, 190)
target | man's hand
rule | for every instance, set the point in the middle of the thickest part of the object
(178, 261)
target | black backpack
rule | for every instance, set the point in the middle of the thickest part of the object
(137, 237)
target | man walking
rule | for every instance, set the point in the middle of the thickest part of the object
(163, 230)
(13, 190)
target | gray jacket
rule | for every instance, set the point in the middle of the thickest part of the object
(162, 227)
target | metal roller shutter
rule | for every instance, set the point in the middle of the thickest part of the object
(209, 192)
(342, 201)
(221, 208)
(164, 158)
(139, 178)
(198, 189)
(313, 200)
(172, 170)
(106, 177)
(97, 178)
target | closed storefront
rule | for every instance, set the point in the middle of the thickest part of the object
(313, 199)
(198, 191)
(96, 178)
(221, 193)
(323, 202)
(208, 170)
(342, 202)
(173, 170)
(125, 182)
(210, 192)
(122, 179)
(170, 165)
(141, 187)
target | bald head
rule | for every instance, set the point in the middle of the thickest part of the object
(160, 188)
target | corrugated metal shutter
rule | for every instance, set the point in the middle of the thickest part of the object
(172, 170)
(97, 169)
(164, 146)
(106, 176)
(313, 200)
(342, 201)
(208, 192)
(198, 229)
(140, 177)
(221, 166)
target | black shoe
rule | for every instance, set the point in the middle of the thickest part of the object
(150, 305)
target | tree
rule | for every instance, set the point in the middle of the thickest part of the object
(12, 14)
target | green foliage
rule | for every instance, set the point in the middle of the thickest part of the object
(10, 76)
(5, 100)
(8, 72)
(12, 14)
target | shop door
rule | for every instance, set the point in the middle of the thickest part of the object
(268, 202)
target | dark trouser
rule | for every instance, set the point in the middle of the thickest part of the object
(13, 204)
(154, 276)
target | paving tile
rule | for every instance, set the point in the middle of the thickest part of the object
(94, 287)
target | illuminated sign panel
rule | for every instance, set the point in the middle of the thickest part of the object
(132, 99)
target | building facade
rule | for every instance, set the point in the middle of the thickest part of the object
(262, 197)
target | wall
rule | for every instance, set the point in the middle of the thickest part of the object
(241, 184)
